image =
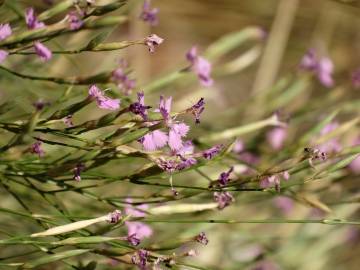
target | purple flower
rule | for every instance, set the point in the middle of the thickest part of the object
(192, 55)
(165, 108)
(154, 140)
(202, 239)
(200, 66)
(197, 109)
(152, 42)
(74, 20)
(68, 121)
(103, 102)
(224, 177)
(212, 152)
(139, 229)
(36, 149)
(309, 61)
(133, 240)
(5, 31)
(77, 171)
(238, 146)
(42, 51)
(3, 55)
(149, 14)
(285, 175)
(185, 163)
(122, 80)
(177, 131)
(324, 72)
(186, 149)
(139, 211)
(168, 165)
(223, 199)
(355, 78)
(276, 137)
(140, 258)
(114, 217)
(31, 19)
(321, 67)
(139, 107)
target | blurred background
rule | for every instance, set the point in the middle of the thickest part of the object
(288, 28)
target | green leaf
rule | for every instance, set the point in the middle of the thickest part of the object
(96, 40)
(84, 240)
(59, 8)
(53, 258)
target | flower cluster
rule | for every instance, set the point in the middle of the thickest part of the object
(32, 22)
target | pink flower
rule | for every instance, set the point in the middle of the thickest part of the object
(135, 212)
(321, 67)
(139, 229)
(5, 31)
(152, 42)
(154, 140)
(42, 51)
(31, 20)
(177, 131)
(37, 149)
(186, 149)
(192, 54)
(276, 137)
(103, 101)
(324, 72)
(200, 66)
(238, 146)
(3, 55)
(149, 14)
(74, 20)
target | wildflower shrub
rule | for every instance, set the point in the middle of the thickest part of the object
(103, 173)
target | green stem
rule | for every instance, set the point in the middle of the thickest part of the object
(254, 221)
